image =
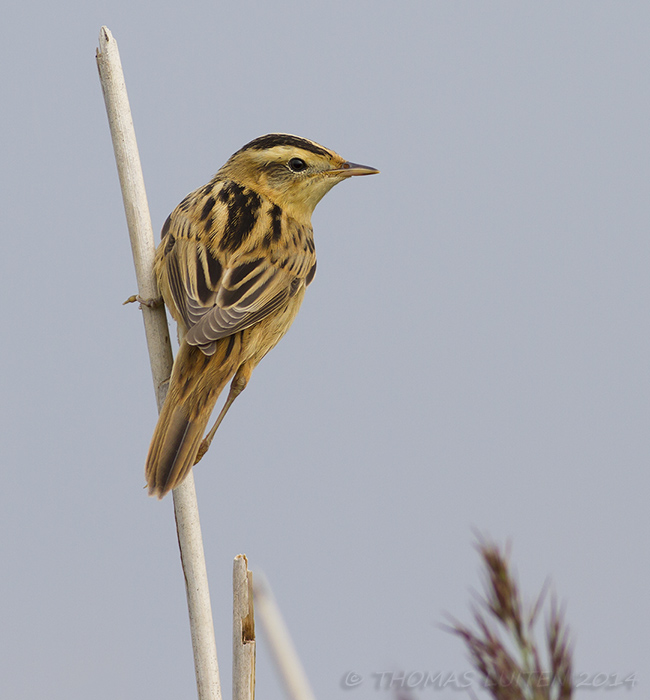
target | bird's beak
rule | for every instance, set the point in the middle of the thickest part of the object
(350, 169)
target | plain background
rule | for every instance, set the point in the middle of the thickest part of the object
(473, 353)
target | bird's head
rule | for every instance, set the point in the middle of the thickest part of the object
(292, 172)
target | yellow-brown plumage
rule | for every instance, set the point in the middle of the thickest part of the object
(235, 259)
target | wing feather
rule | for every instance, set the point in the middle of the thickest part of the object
(215, 291)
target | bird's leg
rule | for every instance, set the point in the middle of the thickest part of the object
(149, 303)
(238, 384)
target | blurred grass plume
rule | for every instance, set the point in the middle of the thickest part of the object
(502, 646)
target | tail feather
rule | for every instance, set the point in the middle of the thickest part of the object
(195, 385)
(173, 450)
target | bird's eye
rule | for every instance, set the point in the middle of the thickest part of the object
(297, 165)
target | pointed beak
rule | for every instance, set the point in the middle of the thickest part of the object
(350, 169)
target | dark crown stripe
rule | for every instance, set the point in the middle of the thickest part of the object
(271, 140)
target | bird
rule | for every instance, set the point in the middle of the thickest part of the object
(233, 264)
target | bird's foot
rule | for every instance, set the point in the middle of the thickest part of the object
(149, 303)
(203, 448)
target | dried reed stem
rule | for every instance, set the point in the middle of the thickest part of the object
(282, 648)
(160, 354)
(243, 631)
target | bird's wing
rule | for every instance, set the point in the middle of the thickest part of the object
(217, 293)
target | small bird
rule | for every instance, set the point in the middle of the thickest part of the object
(233, 264)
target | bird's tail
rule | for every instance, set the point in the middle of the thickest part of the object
(196, 382)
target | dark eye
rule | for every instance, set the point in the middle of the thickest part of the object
(297, 165)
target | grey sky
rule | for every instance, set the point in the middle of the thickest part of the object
(473, 352)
